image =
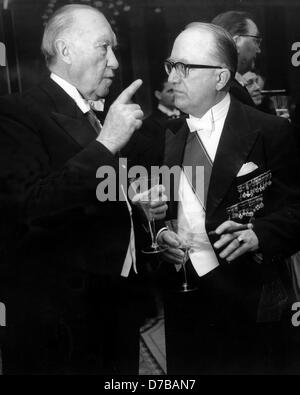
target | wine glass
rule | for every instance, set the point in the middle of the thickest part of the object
(146, 191)
(187, 243)
(281, 106)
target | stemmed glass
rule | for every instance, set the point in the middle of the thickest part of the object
(188, 242)
(146, 191)
(281, 105)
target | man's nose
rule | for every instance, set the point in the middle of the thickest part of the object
(173, 76)
(112, 61)
(256, 86)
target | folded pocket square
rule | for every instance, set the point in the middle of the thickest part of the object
(247, 168)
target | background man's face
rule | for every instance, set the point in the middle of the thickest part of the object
(194, 94)
(92, 58)
(248, 48)
(252, 86)
(167, 97)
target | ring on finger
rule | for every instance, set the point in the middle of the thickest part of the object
(240, 239)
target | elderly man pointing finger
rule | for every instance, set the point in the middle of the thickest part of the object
(71, 307)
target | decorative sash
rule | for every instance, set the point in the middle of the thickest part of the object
(197, 167)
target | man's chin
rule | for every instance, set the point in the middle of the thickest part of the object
(180, 101)
(103, 89)
(101, 93)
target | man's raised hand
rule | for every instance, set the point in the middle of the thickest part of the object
(122, 119)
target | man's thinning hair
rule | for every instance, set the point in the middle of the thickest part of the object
(61, 21)
(225, 49)
(235, 22)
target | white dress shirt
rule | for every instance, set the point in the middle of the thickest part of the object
(85, 106)
(191, 214)
(72, 92)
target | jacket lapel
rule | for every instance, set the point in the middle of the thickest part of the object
(234, 147)
(78, 128)
(67, 114)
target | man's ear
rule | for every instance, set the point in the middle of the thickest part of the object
(157, 94)
(223, 78)
(62, 50)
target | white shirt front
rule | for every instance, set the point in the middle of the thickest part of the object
(83, 104)
(191, 214)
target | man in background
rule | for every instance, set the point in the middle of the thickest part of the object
(155, 124)
(166, 109)
(254, 83)
(246, 36)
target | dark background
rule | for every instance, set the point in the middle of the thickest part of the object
(145, 31)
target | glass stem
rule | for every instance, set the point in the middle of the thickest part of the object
(184, 268)
(152, 232)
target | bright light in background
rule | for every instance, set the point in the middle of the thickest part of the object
(2, 55)
(5, 4)
(2, 314)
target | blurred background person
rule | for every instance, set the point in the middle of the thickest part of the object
(155, 125)
(247, 38)
(255, 83)
(166, 104)
(252, 85)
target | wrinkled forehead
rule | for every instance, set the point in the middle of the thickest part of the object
(193, 45)
(93, 25)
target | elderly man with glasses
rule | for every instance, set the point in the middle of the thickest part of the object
(241, 214)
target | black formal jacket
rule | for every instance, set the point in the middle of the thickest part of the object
(59, 244)
(251, 136)
(50, 157)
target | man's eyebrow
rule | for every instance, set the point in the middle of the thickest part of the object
(181, 60)
(106, 41)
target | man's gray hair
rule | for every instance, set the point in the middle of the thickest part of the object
(61, 21)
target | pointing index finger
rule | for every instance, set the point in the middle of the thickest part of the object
(126, 95)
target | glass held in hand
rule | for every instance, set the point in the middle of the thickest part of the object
(147, 190)
(187, 243)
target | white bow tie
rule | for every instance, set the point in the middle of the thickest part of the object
(97, 105)
(204, 125)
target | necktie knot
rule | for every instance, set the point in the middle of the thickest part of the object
(96, 105)
(202, 125)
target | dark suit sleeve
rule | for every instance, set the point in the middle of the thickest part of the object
(30, 178)
(278, 231)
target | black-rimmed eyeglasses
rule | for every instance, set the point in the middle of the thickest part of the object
(258, 39)
(182, 69)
